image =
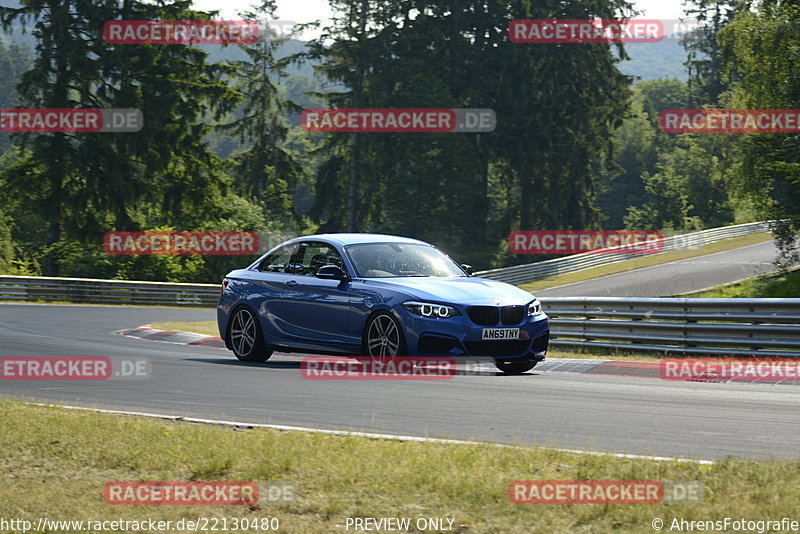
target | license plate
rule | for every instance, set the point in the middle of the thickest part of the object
(500, 333)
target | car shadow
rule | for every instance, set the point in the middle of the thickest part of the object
(239, 363)
(296, 364)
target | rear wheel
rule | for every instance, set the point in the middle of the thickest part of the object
(514, 367)
(246, 339)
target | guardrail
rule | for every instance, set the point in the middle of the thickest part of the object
(530, 272)
(747, 327)
(119, 292)
(755, 327)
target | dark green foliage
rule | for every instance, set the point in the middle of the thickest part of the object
(576, 146)
(704, 62)
(664, 181)
(761, 50)
(555, 106)
(85, 184)
(263, 171)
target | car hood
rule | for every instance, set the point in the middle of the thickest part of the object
(461, 290)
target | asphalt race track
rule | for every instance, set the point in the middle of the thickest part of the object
(675, 278)
(577, 411)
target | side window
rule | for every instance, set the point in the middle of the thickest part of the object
(280, 261)
(314, 255)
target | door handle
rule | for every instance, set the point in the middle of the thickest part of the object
(291, 283)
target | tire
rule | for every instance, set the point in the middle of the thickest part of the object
(383, 339)
(245, 336)
(515, 367)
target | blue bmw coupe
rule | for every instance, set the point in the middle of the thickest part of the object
(376, 296)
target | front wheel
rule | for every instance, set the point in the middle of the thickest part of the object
(383, 339)
(515, 367)
(246, 338)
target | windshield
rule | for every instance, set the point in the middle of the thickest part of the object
(389, 260)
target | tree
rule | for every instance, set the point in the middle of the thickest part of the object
(689, 189)
(620, 184)
(661, 94)
(704, 58)
(84, 184)
(14, 60)
(264, 170)
(555, 105)
(761, 50)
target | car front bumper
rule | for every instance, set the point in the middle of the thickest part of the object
(459, 336)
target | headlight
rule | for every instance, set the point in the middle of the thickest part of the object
(534, 308)
(426, 309)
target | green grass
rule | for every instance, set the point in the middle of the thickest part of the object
(646, 261)
(56, 461)
(778, 285)
(207, 328)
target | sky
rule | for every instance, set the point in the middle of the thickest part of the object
(310, 10)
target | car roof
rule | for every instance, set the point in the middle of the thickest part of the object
(353, 239)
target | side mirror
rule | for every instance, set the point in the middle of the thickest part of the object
(467, 268)
(331, 272)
